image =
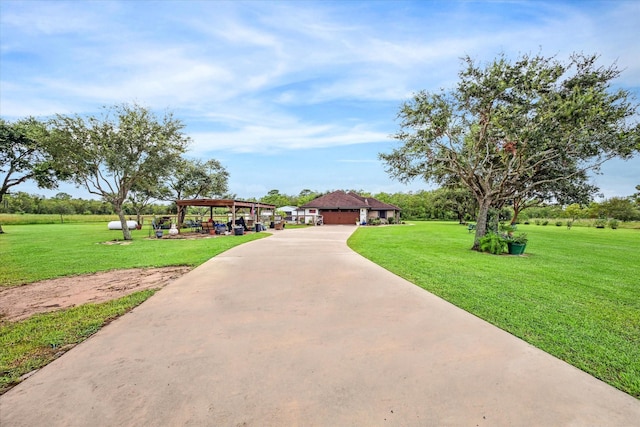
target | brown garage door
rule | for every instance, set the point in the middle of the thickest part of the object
(342, 217)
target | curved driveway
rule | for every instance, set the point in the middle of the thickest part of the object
(298, 330)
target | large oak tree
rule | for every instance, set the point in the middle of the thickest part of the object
(127, 145)
(515, 129)
(26, 154)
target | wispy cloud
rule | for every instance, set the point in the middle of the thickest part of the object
(253, 138)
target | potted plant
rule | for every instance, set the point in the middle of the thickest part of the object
(508, 229)
(279, 220)
(517, 243)
(156, 228)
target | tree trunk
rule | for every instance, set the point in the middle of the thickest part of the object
(517, 207)
(1, 230)
(481, 222)
(126, 234)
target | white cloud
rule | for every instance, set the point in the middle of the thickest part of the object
(252, 138)
(254, 76)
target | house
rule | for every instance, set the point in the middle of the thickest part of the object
(340, 207)
(291, 213)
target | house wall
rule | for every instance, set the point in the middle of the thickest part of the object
(311, 215)
(363, 215)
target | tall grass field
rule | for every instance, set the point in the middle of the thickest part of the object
(575, 293)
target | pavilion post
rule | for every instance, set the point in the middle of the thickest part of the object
(233, 216)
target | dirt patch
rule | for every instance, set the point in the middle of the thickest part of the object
(48, 295)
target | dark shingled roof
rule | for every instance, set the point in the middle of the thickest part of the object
(340, 199)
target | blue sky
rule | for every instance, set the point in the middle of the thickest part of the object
(290, 95)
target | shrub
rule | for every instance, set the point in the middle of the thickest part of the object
(600, 223)
(493, 243)
(613, 223)
(538, 222)
(545, 222)
(508, 228)
(558, 223)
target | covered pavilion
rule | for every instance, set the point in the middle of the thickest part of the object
(232, 205)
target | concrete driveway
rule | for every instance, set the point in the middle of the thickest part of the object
(298, 330)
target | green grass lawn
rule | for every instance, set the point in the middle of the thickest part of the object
(575, 294)
(44, 251)
(34, 252)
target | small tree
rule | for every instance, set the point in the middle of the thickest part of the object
(141, 194)
(514, 129)
(574, 211)
(193, 179)
(108, 155)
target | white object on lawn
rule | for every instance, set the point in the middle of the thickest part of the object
(116, 225)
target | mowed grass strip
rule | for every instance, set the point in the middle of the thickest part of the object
(34, 342)
(575, 294)
(44, 251)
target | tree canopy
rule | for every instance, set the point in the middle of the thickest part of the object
(516, 130)
(126, 146)
(25, 154)
(193, 179)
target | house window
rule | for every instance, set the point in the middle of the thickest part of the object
(312, 211)
(383, 214)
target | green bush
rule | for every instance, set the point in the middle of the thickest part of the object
(558, 223)
(613, 223)
(493, 243)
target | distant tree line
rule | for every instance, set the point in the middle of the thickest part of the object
(440, 204)
(65, 204)
(459, 204)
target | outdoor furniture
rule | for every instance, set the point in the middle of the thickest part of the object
(471, 227)
(206, 227)
(194, 225)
